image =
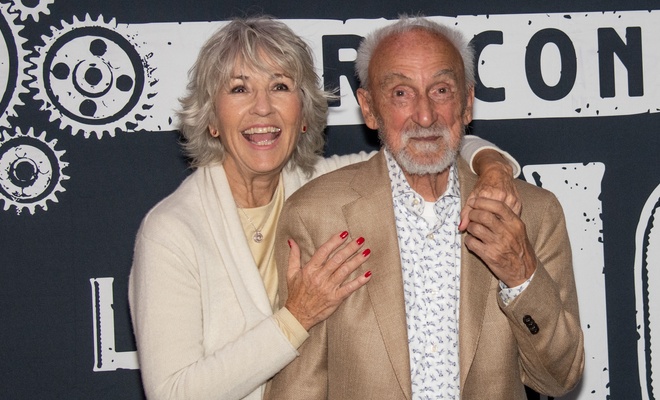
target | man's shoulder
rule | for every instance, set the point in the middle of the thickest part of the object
(532, 193)
(539, 206)
(332, 182)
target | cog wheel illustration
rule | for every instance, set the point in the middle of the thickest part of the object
(33, 8)
(31, 171)
(12, 66)
(92, 78)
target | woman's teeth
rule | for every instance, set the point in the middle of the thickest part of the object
(262, 136)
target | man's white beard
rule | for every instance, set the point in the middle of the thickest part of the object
(435, 157)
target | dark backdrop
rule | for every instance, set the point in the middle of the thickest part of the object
(60, 247)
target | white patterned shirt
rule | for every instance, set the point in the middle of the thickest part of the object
(430, 247)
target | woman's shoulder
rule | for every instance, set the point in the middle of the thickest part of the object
(176, 211)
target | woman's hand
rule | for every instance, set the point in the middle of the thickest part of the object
(495, 182)
(318, 288)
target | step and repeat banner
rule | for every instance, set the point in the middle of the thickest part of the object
(88, 144)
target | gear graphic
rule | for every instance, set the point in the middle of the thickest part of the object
(30, 171)
(12, 66)
(92, 78)
(29, 9)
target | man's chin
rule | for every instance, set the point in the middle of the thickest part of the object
(424, 168)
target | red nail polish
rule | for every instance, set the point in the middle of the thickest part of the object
(367, 274)
(360, 240)
(366, 252)
(288, 241)
(343, 235)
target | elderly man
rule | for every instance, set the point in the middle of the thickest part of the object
(446, 315)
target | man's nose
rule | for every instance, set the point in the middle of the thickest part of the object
(424, 114)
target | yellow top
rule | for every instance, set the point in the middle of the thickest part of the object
(264, 220)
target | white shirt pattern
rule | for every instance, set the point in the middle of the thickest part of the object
(430, 259)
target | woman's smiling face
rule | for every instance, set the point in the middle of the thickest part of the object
(258, 120)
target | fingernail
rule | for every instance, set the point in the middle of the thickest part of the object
(343, 235)
(360, 240)
(367, 274)
(288, 241)
(366, 252)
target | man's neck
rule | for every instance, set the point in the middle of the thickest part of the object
(429, 186)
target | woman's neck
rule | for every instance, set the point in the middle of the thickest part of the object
(254, 191)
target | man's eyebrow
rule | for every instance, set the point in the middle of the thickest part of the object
(398, 75)
(446, 72)
(392, 76)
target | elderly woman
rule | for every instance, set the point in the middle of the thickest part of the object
(203, 285)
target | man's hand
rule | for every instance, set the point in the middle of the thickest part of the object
(318, 288)
(495, 182)
(498, 236)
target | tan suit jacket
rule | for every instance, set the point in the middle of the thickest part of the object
(361, 351)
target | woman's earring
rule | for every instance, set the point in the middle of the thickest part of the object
(304, 128)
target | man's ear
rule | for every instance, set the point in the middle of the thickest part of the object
(365, 101)
(469, 102)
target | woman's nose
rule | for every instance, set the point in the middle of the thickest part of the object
(262, 103)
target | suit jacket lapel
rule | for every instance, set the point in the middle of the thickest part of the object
(475, 281)
(372, 216)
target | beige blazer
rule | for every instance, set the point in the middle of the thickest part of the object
(361, 351)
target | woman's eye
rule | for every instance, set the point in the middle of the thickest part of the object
(281, 86)
(238, 89)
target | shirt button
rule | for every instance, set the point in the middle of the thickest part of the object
(415, 202)
(430, 236)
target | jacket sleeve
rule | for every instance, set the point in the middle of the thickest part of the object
(544, 318)
(166, 301)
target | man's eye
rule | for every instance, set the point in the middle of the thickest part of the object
(399, 93)
(443, 92)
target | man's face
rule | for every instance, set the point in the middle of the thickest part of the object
(417, 100)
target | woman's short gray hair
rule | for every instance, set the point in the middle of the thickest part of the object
(258, 42)
(406, 24)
